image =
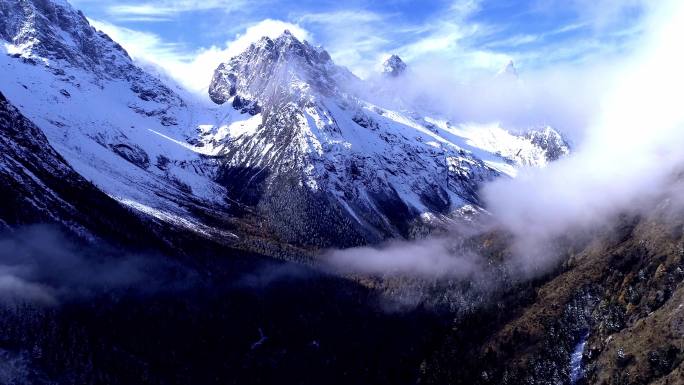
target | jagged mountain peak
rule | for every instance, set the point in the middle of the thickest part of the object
(393, 66)
(53, 34)
(375, 170)
(288, 44)
(53, 30)
(276, 68)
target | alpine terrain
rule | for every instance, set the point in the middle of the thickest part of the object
(289, 143)
(151, 235)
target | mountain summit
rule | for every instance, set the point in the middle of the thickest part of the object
(274, 68)
(326, 166)
(393, 66)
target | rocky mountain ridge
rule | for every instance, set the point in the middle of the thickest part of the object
(375, 172)
(394, 66)
(290, 145)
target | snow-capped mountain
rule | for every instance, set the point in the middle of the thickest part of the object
(325, 164)
(38, 186)
(116, 125)
(289, 150)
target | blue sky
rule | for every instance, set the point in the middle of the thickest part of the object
(468, 34)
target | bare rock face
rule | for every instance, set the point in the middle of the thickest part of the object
(132, 153)
(223, 85)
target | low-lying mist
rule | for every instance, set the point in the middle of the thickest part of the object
(75, 314)
(436, 257)
(625, 117)
(41, 264)
(45, 264)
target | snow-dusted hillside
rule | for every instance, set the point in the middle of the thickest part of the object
(116, 125)
(38, 186)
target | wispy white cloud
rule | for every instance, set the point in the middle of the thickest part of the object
(360, 36)
(606, 13)
(169, 8)
(355, 38)
(629, 161)
(450, 40)
(360, 39)
(518, 40)
(162, 10)
(515, 41)
(139, 44)
(629, 158)
(192, 68)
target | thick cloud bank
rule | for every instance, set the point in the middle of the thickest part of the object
(629, 118)
(632, 151)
